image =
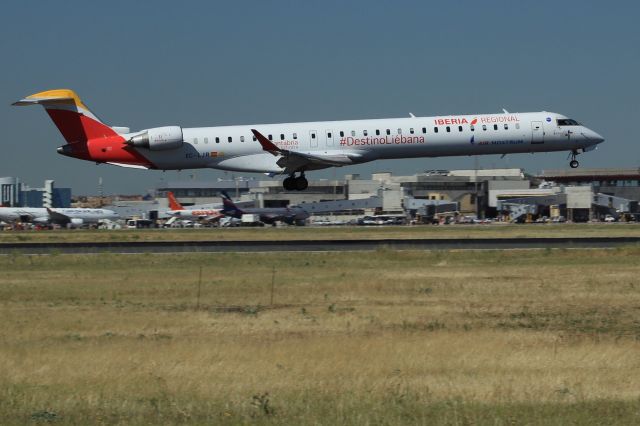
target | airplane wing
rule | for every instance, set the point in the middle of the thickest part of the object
(212, 218)
(129, 166)
(58, 217)
(292, 161)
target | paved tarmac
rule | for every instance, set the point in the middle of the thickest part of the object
(315, 245)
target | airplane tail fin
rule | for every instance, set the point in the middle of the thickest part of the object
(70, 115)
(228, 206)
(173, 203)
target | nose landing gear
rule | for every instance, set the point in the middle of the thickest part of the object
(574, 163)
(293, 183)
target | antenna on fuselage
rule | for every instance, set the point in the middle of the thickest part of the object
(411, 115)
(505, 111)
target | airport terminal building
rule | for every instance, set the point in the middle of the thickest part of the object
(14, 193)
(507, 194)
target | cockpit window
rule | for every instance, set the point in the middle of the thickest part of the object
(567, 122)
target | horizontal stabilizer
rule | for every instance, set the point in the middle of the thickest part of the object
(71, 116)
(36, 101)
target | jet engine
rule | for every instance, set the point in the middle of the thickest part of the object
(76, 221)
(158, 138)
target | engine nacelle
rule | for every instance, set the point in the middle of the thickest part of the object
(158, 138)
(76, 221)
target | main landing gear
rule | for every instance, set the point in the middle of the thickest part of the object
(574, 163)
(293, 183)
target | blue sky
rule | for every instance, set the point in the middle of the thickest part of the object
(201, 63)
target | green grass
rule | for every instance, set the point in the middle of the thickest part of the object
(318, 233)
(384, 337)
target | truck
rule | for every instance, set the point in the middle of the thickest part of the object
(250, 219)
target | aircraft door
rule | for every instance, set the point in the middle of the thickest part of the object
(329, 139)
(537, 132)
(313, 139)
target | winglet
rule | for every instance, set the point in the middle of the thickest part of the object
(267, 145)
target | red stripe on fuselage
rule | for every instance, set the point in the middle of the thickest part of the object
(114, 150)
(94, 141)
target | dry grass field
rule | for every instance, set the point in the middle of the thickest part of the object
(412, 337)
(331, 233)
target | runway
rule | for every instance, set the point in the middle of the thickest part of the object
(313, 245)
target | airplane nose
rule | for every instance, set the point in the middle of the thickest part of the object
(598, 137)
(593, 137)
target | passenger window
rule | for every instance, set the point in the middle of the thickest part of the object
(329, 135)
(195, 141)
(217, 139)
(255, 139)
(411, 130)
(295, 136)
(364, 132)
(377, 132)
(313, 135)
(388, 131)
(459, 128)
(484, 127)
(517, 125)
(472, 127)
(506, 126)
(206, 140)
(399, 131)
(281, 136)
(448, 129)
(435, 130)
(270, 137)
(495, 127)
(241, 138)
(424, 130)
(229, 139)
(353, 133)
(341, 134)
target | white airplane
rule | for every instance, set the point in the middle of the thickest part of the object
(178, 211)
(294, 148)
(64, 217)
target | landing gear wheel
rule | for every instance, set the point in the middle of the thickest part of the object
(301, 183)
(574, 163)
(289, 183)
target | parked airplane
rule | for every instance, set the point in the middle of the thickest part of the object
(47, 216)
(270, 215)
(178, 211)
(294, 148)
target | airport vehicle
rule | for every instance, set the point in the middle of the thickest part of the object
(251, 219)
(292, 149)
(178, 211)
(59, 216)
(386, 219)
(270, 215)
(140, 223)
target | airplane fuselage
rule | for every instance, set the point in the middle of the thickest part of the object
(57, 215)
(358, 141)
(294, 148)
